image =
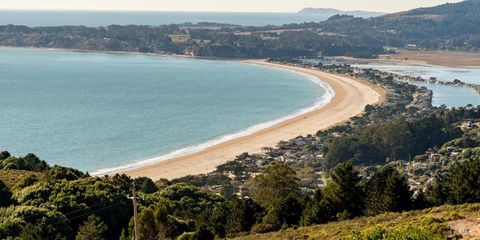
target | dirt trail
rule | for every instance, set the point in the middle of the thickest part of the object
(468, 228)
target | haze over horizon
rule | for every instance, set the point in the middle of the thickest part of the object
(217, 5)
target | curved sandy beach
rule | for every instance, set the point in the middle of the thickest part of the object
(351, 96)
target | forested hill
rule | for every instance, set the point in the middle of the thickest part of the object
(450, 26)
(445, 27)
(469, 8)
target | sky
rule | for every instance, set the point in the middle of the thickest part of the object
(219, 5)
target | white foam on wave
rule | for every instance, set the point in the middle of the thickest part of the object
(319, 103)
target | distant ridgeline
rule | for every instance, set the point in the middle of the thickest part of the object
(445, 27)
(332, 11)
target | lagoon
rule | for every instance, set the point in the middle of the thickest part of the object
(442, 95)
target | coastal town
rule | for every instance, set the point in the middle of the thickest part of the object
(306, 153)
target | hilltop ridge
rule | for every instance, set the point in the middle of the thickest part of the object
(333, 11)
(433, 223)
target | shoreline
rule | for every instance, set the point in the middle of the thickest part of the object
(77, 50)
(320, 102)
(351, 96)
(205, 157)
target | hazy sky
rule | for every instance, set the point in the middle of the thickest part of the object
(220, 5)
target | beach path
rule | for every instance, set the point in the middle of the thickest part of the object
(351, 97)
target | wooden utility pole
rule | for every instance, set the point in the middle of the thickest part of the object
(134, 199)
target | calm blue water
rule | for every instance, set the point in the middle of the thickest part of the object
(442, 95)
(99, 18)
(97, 110)
(103, 18)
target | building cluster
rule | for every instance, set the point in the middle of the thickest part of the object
(305, 154)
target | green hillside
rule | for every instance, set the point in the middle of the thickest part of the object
(445, 27)
(434, 223)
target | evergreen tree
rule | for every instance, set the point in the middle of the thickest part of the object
(161, 220)
(275, 185)
(284, 214)
(147, 227)
(244, 213)
(344, 193)
(4, 155)
(387, 191)
(146, 185)
(460, 184)
(316, 210)
(217, 219)
(92, 229)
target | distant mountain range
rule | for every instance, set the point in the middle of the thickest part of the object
(332, 11)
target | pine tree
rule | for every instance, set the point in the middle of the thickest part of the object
(344, 193)
(244, 213)
(92, 229)
(461, 184)
(147, 227)
(387, 191)
(316, 210)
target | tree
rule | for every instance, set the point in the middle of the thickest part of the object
(5, 195)
(231, 217)
(28, 222)
(284, 214)
(460, 184)
(123, 181)
(161, 220)
(244, 213)
(154, 222)
(30, 163)
(186, 201)
(316, 210)
(92, 229)
(228, 191)
(147, 228)
(216, 219)
(4, 155)
(276, 184)
(387, 191)
(344, 193)
(60, 173)
(82, 196)
(145, 185)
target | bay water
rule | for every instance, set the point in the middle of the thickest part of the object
(101, 110)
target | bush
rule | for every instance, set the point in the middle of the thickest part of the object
(5, 195)
(29, 163)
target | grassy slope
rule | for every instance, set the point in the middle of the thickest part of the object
(437, 220)
(12, 177)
